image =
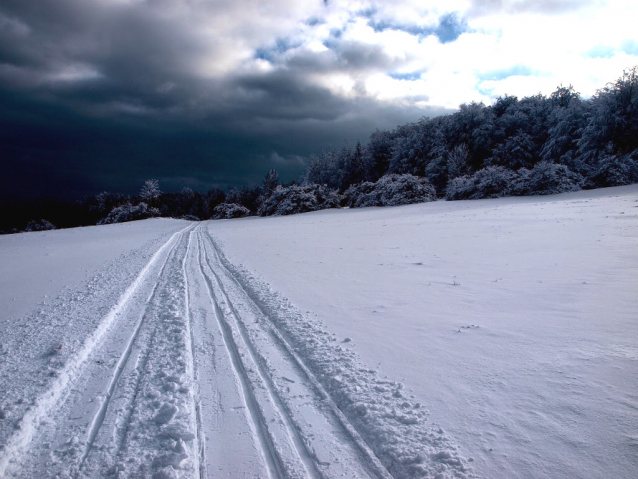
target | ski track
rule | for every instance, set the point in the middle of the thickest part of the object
(17, 443)
(99, 417)
(289, 365)
(197, 372)
(374, 466)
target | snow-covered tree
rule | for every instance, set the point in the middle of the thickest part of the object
(457, 162)
(615, 170)
(229, 210)
(271, 180)
(490, 182)
(39, 225)
(390, 190)
(299, 199)
(515, 152)
(354, 168)
(546, 179)
(129, 212)
(150, 190)
(613, 120)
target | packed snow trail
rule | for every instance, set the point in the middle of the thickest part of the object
(190, 374)
(296, 426)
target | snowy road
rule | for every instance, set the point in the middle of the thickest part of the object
(194, 374)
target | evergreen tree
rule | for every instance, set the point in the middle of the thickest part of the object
(271, 181)
(150, 190)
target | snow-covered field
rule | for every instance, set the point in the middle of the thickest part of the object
(494, 338)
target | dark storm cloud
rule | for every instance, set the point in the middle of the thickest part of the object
(102, 95)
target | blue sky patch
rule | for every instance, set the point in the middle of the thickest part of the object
(409, 76)
(600, 51)
(281, 45)
(450, 28)
(313, 21)
(502, 73)
(630, 47)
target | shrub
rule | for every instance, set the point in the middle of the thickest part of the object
(229, 210)
(39, 225)
(299, 199)
(547, 179)
(490, 182)
(615, 170)
(390, 190)
(129, 212)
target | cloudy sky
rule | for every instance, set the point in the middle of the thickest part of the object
(103, 94)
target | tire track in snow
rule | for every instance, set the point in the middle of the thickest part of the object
(98, 420)
(374, 465)
(19, 441)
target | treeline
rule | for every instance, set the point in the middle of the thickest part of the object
(528, 146)
(595, 139)
(108, 207)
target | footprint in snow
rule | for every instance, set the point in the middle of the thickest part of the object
(165, 414)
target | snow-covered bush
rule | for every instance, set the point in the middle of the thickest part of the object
(490, 182)
(229, 210)
(129, 212)
(547, 179)
(615, 170)
(299, 199)
(390, 190)
(189, 218)
(39, 225)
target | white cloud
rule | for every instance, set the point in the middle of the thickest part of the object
(551, 38)
(74, 72)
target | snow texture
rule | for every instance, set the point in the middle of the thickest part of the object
(512, 321)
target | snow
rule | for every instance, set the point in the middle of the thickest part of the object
(64, 258)
(491, 338)
(528, 363)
